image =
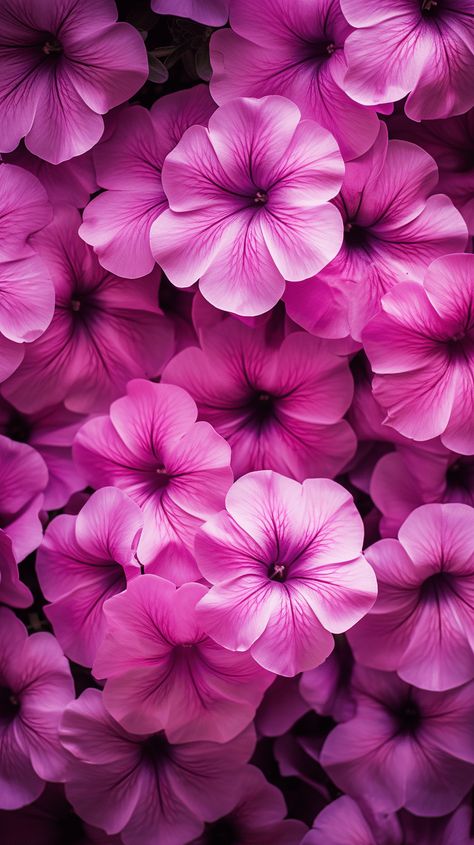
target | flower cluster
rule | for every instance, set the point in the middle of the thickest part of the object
(236, 422)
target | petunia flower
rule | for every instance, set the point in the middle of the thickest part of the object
(296, 50)
(164, 673)
(71, 182)
(23, 479)
(285, 561)
(345, 820)
(62, 65)
(105, 330)
(51, 433)
(394, 227)
(83, 561)
(35, 687)
(149, 791)
(248, 204)
(404, 747)
(176, 469)
(279, 406)
(420, 625)
(257, 819)
(128, 164)
(422, 48)
(421, 348)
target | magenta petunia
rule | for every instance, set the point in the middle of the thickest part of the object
(143, 787)
(23, 479)
(346, 821)
(326, 689)
(422, 48)
(296, 50)
(257, 819)
(83, 561)
(249, 204)
(164, 673)
(105, 330)
(35, 687)
(285, 561)
(450, 142)
(176, 469)
(51, 433)
(63, 64)
(279, 405)
(394, 227)
(421, 623)
(71, 182)
(128, 164)
(209, 12)
(421, 348)
(416, 475)
(405, 747)
(12, 591)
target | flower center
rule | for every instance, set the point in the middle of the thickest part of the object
(260, 198)
(409, 716)
(277, 572)
(52, 46)
(162, 476)
(76, 304)
(9, 704)
(330, 49)
(354, 235)
(428, 6)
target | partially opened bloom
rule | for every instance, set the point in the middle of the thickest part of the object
(176, 469)
(164, 673)
(117, 223)
(23, 479)
(257, 819)
(35, 687)
(51, 432)
(421, 348)
(210, 12)
(248, 204)
(296, 50)
(105, 330)
(62, 66)
(421, 623)
(279, 406)
(404, 747)
(417, 47)
(84, 560)
(393, 226)
(413, 475)
(285, 561)
(450, 142)
(12, 591)
(327, 689)
(150, 791)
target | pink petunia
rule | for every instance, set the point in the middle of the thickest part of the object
(128, 164)
(279, 406)
(209, 12)
(83, 561)
(257, 819)
(346, 821)
(296, 50)
(423, 49)
(404, 747)
(12, 591)
(63, 64)
(421, 623)
(71, 182)
(413, 476)
(421, 348)
(51, 433)
(326, 689)
(176, 469)
(394, 227)
(105, 330)
(285, 561)
(35, 687)
(164, 673)
(23, 479)
(149, 791)
(248, 204)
